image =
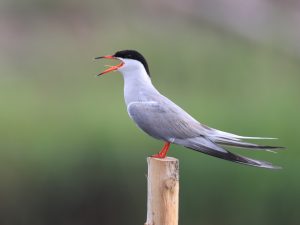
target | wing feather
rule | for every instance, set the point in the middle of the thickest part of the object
(164, 121)
(206, 146)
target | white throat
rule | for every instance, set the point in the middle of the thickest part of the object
(137, 83)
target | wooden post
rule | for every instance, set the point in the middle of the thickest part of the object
(163, 191)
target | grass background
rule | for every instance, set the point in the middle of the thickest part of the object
(70, 154)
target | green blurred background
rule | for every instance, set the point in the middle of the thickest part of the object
(71, 155)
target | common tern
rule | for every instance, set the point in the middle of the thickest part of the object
(162, 119)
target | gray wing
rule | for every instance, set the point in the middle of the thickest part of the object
(167, 121)
(164, 120)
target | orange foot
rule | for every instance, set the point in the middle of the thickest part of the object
(163, 152)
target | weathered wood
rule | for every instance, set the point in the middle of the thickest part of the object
(163, 191)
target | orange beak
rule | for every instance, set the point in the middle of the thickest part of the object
(111, 68)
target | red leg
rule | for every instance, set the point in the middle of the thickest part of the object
(163, 152)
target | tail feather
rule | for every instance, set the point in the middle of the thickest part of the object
(224, 138)
(223, 134)
(242, 144)
(204, 145)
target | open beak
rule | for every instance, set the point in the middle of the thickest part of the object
(111, 68)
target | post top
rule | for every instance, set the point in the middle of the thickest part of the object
(166, 159)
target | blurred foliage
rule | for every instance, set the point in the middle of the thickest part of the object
(70, 154)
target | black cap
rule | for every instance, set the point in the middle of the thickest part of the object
(132, 54)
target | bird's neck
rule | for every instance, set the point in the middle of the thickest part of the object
(137, 85)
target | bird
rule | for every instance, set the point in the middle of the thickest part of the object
(162, 119)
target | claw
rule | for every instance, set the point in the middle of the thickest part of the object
(158, 156)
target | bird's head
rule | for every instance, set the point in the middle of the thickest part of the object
(130, 60)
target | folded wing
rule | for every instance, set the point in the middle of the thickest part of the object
(165, 120)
